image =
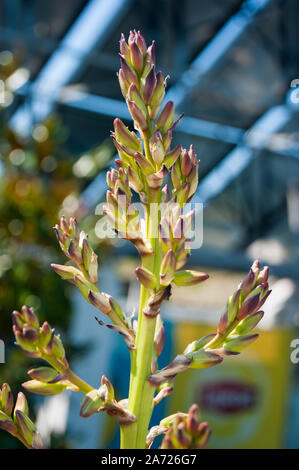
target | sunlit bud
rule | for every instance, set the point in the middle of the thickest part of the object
(248, 283)
(146, 277)
(171, 157)
(223, 323)
(44, 388)
(18, 320)
(90, 404)
(21, 404)
(148, 85)
(144, 164)
(30, 334)
(202, 359)
(6, 424)
(74, 229)
(233, 305)
(109, 387)
(124, 84)
(239, 343)
(74, 252)
(25, 426)
(45, 334)
(63, 224)
(159, 90)
(183, 193)
(55, 347)
(99, 301)
(203, 435)
(135, 96)
(186, 165)
(129, 73)
(135, 181)
(23, 342)
(151, 53)
(125, 136)
(29, 316)
(193, 180)
(124, 48)
(165, 118)
(86, 253)
(156, 148)
(199, 344)
(176, 176)
(65, 272)
(248, 323)
(6, 399)
(249, 306)
(136, 57)
(93, 268)
(263, 276)
(168, 267)
(138, 115)
(43, 374)
(139, 39)
(189, 278)
(155, 180)
(193, 419)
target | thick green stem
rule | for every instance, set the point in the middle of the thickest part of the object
(141, 393)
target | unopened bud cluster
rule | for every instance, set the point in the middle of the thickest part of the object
(185, 431)
(15, 420)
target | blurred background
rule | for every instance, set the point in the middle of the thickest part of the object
(234, 72)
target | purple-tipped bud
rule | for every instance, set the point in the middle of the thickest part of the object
(146, 277)
(74, 253)
(65, 272)
(43, 388)
(124, 84)
(90, 404)
(21, 404)
(165, 118)
(146, 167)
(138, 115)
(100, 301)
(202, 359)
(148, 85)
(6, 399)
(129, 74)
(168, 267)
(171, 157)
(136, 57)
(249, 307)
(156, 147)
(237, 344)
(43, 374)
(6, 424)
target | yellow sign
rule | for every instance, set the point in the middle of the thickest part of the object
(244, 399)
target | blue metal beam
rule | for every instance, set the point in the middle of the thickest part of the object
(89, 30)
(256, 139)
(215, 52)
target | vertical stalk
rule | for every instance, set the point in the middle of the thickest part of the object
(141, 393)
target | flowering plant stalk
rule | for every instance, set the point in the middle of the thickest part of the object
(162, 240)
